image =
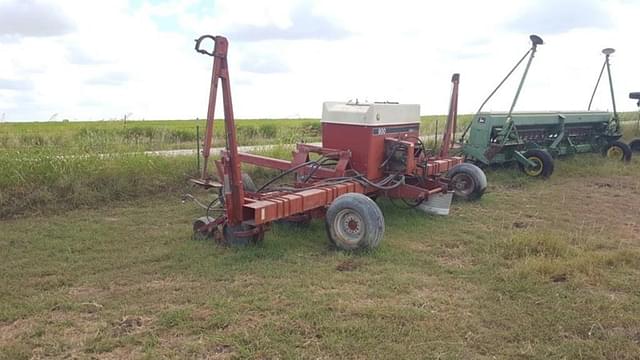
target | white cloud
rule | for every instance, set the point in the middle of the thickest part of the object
(33, 18)
(12, 84)
(118, 57)
(560, 16)
(303, 25)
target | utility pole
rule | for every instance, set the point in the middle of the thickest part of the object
(127, 116)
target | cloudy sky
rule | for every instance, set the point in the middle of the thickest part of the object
(93, 60)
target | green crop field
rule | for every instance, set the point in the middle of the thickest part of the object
(117, 136)
(113, 136)
(97, 261)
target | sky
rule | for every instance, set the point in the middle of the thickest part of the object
(95, 60)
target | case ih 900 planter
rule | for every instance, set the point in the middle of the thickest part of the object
(367, 150)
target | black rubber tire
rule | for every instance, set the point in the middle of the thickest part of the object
(198, 224)
(544, 160)
(248, 183)
(354, 210)
(229, 237)
(634, 145)
(623, 149)
(467, 181)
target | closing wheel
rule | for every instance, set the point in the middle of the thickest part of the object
(230, 236)
(617, 150)
(543, 163)
(354, 221)
(247, 184)
(199, 228)
(467, 181)
(635, 145)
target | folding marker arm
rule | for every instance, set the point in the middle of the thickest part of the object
(234, 192)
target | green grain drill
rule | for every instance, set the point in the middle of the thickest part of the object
(533, 139)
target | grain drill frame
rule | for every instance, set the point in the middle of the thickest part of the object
(533, 139)
(337, 182)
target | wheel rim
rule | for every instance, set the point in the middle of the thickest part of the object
(198, 230)
(349, 226)
(463, 184)
(615, 152)
(535, 170)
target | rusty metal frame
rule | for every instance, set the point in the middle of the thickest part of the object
(450, 127)
(321, 184)
(300, 156)
(234, 192)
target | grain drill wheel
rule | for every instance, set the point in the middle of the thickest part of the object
(617, 150)
(544, 164)
(354, 221)
(467, 181)
(635, 145)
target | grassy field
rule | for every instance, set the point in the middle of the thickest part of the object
(43, 182)
(57, 166)
(115, 136)
(91, 173)
(97, 261)
(535, 270)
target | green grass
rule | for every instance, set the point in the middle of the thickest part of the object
(45, 179)
(535, 270)
(115, 136)
(43, 182)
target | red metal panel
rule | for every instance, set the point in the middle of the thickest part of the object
(281, 206)
(413, 192)
(299, 158)
(264, 161)
(436, 167)
(366, 143)
(442, 165)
